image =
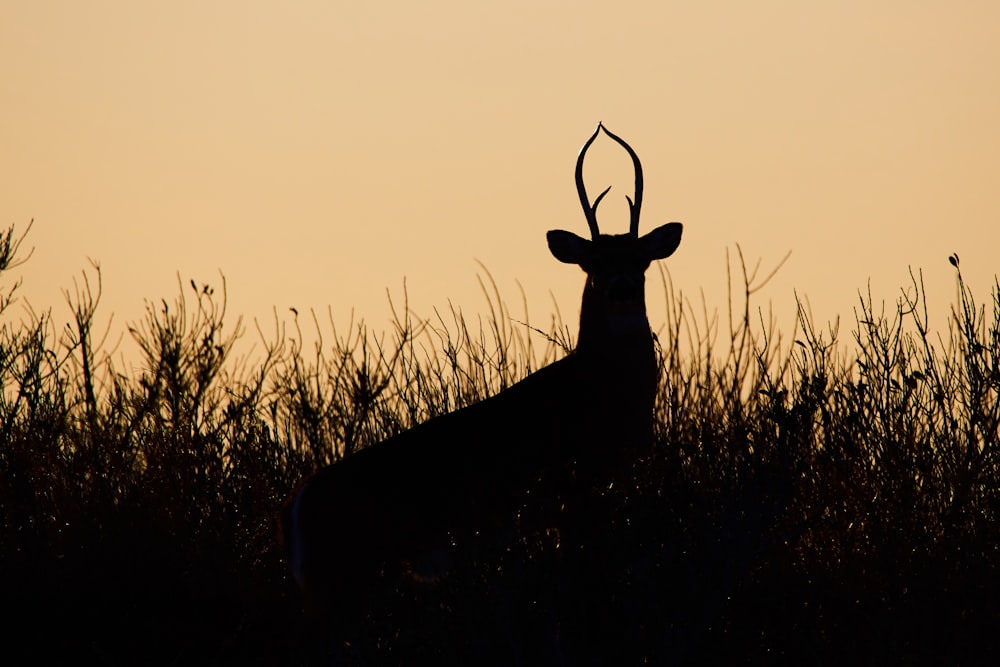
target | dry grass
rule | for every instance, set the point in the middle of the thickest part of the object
(802, 504)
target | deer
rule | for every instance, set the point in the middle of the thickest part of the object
(466, 473)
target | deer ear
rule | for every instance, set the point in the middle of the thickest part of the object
(568, 247)
(662, 241)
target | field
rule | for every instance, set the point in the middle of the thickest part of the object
(810, 499)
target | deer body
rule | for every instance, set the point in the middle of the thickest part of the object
(581, 418)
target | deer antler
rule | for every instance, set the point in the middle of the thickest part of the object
(589, 210)
(633, 206)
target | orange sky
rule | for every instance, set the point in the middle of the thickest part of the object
(319, 152)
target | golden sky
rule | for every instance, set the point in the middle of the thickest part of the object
(318, 152)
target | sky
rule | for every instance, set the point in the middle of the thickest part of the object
(319, 153)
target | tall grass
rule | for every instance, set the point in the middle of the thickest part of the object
(808, 499)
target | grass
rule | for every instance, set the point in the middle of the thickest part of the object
(809, 500)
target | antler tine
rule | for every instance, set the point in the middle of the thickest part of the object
(588, 210)
(633, 206)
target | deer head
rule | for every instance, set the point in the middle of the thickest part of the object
(614, 303)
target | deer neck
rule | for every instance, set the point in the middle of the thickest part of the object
(616, 341)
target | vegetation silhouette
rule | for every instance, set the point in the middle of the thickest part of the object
(806, 498)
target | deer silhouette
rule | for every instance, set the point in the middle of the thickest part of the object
(467, 473)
